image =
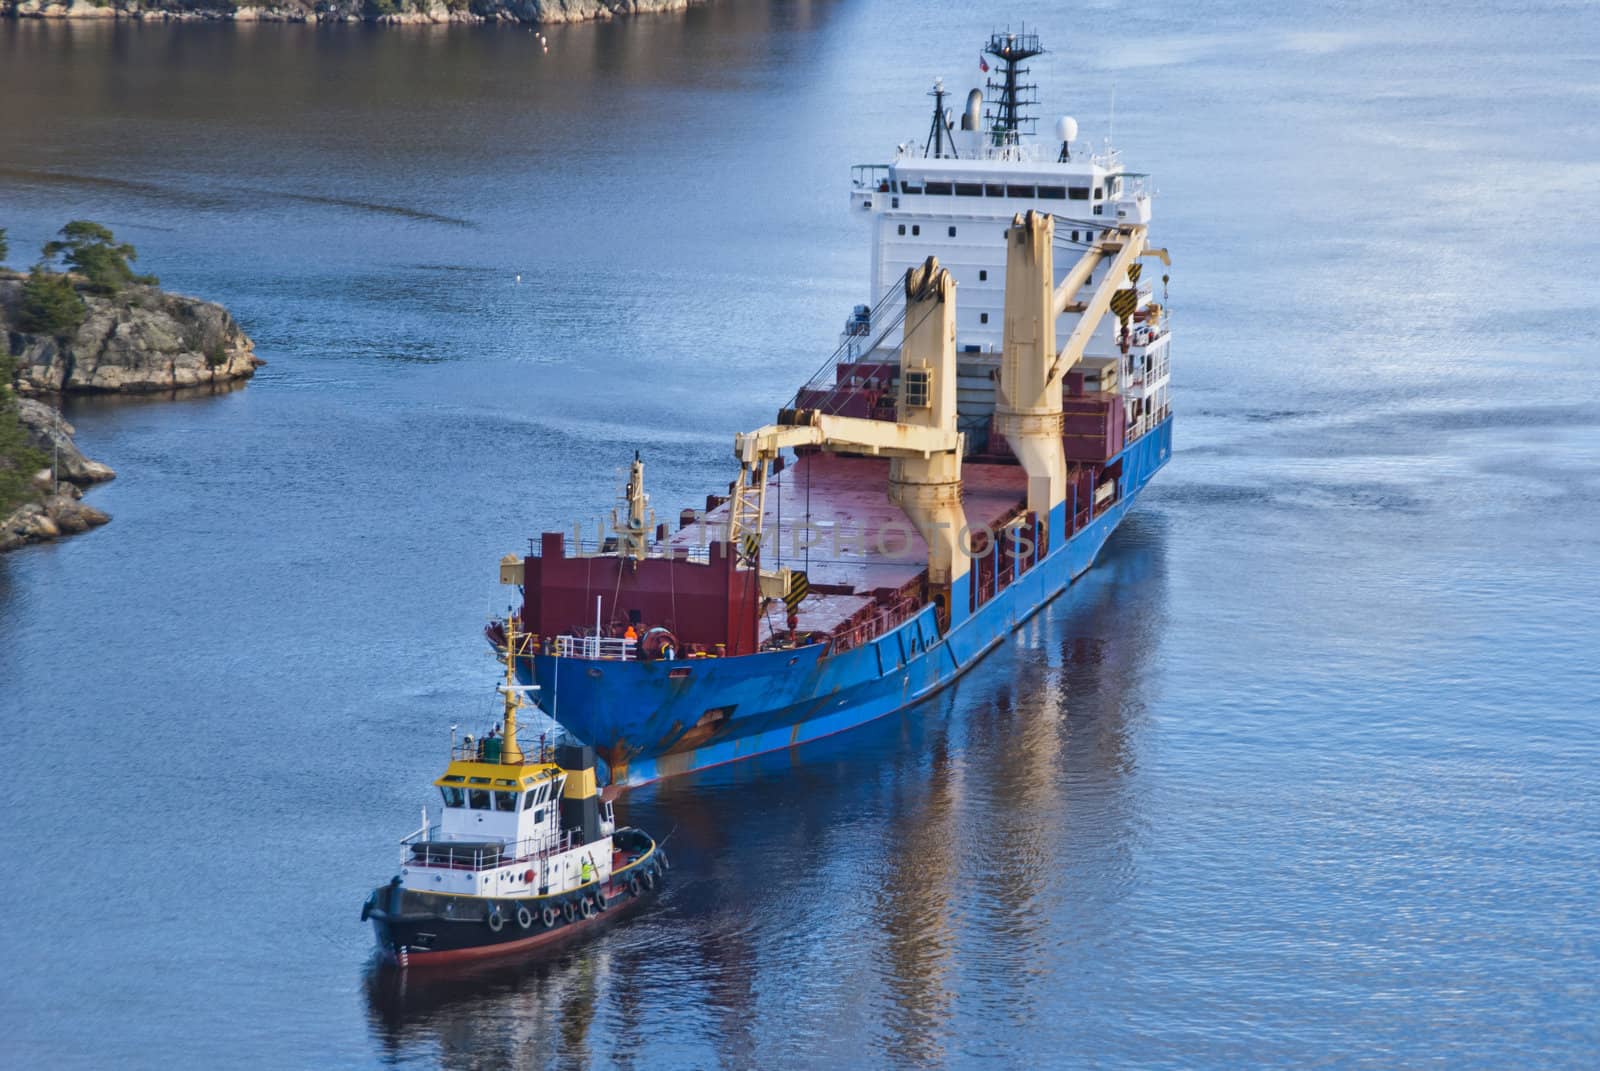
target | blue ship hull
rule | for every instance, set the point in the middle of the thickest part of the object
(654, 719)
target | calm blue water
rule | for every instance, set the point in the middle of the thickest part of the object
(1304, 774)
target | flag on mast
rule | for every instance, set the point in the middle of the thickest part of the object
(983, 64)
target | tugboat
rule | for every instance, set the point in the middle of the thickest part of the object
(524, 853)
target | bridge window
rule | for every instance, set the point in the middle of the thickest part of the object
(505, 801)
(478, 799)
(983, 317)
(1113, 187)
(992, 190)
(911, 187)
(1052, 193)
(531, 798)
(983, 275)
(1019, 191)
(915, 230)
(942, 188)
(952, 232)
(1097, 193)
(969, 189)
(453, 796)
(1077, 193)
(902, 228)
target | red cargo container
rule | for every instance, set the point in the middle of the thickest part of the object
(1093, 427)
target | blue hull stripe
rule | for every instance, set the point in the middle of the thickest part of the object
(732, 708)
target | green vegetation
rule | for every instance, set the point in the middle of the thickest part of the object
(4, 248)
(19, 459)
(92, 251)
(373, 9)
(50, 306)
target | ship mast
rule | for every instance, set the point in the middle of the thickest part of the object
(935, 145)
(1008, 117)
(633, 534)
(510, 753)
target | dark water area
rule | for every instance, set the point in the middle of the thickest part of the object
(1303, 773)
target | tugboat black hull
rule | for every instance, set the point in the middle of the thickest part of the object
(425, 929)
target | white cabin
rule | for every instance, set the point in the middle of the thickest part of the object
(954, 195)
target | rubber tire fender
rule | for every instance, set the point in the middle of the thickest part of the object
(633, 885)
(649, 879)
(666, 864)
(496, 921)
(570, 910)
(548, 916)
(600, 897)
(587, 910)
(524, 916)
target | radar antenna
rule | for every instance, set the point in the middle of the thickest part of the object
(1008, 117)
(941, 130)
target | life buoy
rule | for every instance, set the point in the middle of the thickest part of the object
(570, 910)
(524, 916)
(528, 877)
(496, 921)
(633, 885)
(548, 916)
(600, 897)
(588, 908)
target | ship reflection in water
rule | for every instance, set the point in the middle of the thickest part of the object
(853, 887)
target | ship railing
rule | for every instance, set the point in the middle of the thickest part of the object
(604, 648)
(884, 622)
(476, 752)
(442, 855)
(1147, 422)
(609, 548)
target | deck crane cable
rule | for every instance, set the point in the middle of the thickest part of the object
(894, 295)
(835, 398)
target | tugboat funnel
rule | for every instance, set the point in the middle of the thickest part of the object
(580, 800)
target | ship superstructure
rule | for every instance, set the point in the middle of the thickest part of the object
(951, 467)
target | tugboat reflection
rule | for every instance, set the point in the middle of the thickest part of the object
(832, 902)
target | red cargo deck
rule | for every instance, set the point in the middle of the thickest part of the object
(860, 542)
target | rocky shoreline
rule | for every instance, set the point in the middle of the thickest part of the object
(392, 12)
(57, 509)
(139, 339)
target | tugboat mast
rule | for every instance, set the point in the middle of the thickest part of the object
(510, 753)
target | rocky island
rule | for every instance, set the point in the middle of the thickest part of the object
(381, 11)
(94, 327)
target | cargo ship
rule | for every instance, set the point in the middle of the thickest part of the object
(950, 469)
